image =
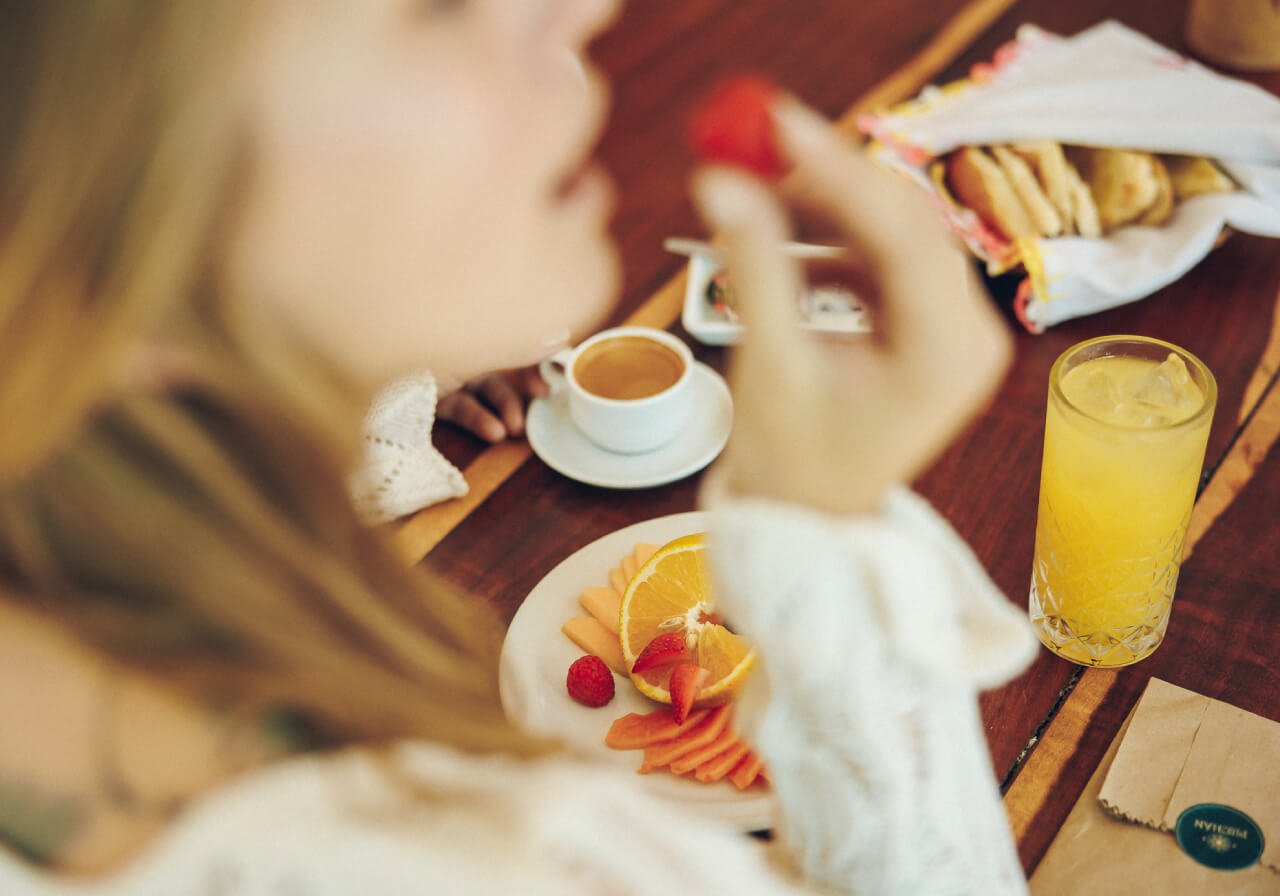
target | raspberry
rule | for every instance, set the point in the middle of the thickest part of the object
(589, 681)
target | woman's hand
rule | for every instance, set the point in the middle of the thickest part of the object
(493, 406)
(834, 422)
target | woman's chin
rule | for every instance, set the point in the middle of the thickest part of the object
(607, 288)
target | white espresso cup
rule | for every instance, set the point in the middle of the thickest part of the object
(629, 389)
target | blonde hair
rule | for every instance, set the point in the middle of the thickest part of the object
(192, 524)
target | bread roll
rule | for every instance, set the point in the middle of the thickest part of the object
(1196, 176)
(1125, 183)
(980, 184)
(1043, 215)
(1049, 163)
(1162, 209)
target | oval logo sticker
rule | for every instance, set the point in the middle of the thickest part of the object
(1219, 837)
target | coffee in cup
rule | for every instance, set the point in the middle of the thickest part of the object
(624, 368)
(629, 389)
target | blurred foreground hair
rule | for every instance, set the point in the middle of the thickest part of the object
(172, 478)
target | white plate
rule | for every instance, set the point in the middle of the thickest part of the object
(562, 446)
(536, 656)
(823, 310)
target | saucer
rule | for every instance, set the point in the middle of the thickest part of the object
(562, 446)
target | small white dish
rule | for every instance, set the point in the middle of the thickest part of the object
(562, 446)
(536, 656)
(823, 310)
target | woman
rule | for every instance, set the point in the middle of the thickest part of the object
(222, 226)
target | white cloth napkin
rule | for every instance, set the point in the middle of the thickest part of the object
(1107, 86)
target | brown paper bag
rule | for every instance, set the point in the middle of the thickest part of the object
(1177, 752)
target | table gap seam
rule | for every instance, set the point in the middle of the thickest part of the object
(1025, 753)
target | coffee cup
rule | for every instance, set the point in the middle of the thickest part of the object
(629, 389)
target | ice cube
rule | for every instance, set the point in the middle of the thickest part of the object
(1135, 413)
(1097, 394)
(1167, 391)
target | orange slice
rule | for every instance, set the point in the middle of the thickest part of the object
(672, 592)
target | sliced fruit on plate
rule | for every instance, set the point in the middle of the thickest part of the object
(635, 731)
(671, 593)
(665, 650)
(745, 773)
(684, 682)
(596, 640)
(691, 760)
(662, 754)
(604, 604)
(716, 768)
(643, 551)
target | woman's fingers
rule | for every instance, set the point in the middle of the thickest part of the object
(754, 226)
(501, 395)
(493, 406)
(892, 230)
(465, 410)
(529, 382)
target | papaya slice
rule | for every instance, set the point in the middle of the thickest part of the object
(663, 753)
(717, 768)
(635, 731)
(690, 761)
(744, 774)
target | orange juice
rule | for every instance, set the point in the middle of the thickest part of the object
(1125, 435)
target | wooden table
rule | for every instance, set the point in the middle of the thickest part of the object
(1048, 729)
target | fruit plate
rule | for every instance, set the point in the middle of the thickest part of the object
(536, 656)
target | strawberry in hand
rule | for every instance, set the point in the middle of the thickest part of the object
(734, 126)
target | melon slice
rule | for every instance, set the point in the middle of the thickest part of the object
(604, 604)
(595, 639)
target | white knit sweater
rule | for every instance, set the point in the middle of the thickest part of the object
(875, 635)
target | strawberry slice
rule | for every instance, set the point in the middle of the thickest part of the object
(686, 681)
(734, 125)
(664, 650)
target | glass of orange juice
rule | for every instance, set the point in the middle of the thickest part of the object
(1124, 442)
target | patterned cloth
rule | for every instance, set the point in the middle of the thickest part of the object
(402, 471)
(1107, 86)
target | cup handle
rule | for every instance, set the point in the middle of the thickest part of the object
(552, 368)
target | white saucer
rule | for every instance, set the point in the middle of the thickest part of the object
(562, 446)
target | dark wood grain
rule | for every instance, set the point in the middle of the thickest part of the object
(1223, 638)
